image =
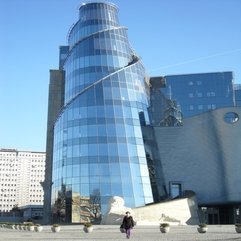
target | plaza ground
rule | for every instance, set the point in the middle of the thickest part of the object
(111, 233)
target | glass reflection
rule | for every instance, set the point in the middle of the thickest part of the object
(98, 144)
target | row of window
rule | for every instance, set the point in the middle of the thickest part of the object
(92, 24)
(16, 161)
(88, 45)
(36, 201)
(35, 190)
(34, 170)
(36, 195)
(7, 160)
(8, 180)
(4, 195)
(7, 190)
(11, 164)
(103, 150)
(16, 170)
(97, 5)
(115, 114)
(98, 11)
(200, 94)
(201, 107)
(7, 154)
(98, 24)
(78, 80)
(8, 174)
(107, 172)
(19, 155)
(198, 82)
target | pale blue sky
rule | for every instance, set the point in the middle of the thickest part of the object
(171, 36)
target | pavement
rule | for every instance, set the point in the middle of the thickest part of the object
(112, 232)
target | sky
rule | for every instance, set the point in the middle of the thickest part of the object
(171, 37)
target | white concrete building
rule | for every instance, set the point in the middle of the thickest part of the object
(21, 174)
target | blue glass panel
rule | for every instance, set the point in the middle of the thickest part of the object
(112, 149)
(105, 189)
(115, 169)
(84, 190)
(102, 130)
(94, 188)
(92, 130)
(94, 179)
(111, 130)
(127, 190)
(116, 189)
(76, 188)
(132, 150)
(84, 169)
(127, 112)
(69, 171)
(84, 150)
(104, 169)
(93, 149)
(105, 179)
(84, 179)
(103, 150)
(93, 169)
(76, 170)
(107, 92)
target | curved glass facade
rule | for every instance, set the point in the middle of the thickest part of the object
(98, 144)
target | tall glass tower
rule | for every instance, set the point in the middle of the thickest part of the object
(98, 149)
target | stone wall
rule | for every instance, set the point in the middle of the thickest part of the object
(176, 212)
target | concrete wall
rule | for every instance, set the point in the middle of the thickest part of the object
(55, 103)
(181, 211)
(177, 212)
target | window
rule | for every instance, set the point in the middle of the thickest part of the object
(190, 83)
(175, 189)
(211, 107)
(211, 94)
(190, 95)
(191, 107)
(199, 94)
(199, 82)
(231, 117)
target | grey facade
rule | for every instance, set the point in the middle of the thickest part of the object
(203, 155)
(55, 103)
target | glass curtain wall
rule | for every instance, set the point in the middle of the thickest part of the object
(98, 146)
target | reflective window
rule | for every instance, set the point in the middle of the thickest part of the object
(98, 145)
(176, 189)
(231, 117)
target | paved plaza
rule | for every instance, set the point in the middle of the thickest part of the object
(111, 233)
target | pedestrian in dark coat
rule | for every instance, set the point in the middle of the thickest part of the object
(128, 224)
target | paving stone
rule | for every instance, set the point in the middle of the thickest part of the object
(111, 233)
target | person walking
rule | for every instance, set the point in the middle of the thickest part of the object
(128, 224)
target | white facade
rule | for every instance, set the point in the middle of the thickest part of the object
(21, 174)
